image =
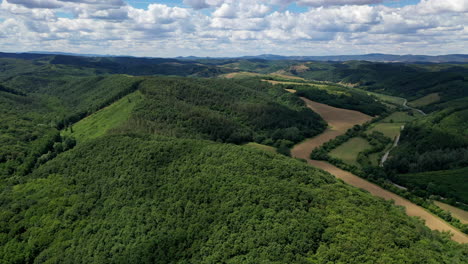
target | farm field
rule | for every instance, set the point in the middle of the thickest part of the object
(390, 130)
(426, 100)
(458, 213)
(375, 159)
(388, 98)
(349, 151)
(105, 119)
(241, 75)
(340, 120)
(398, 117)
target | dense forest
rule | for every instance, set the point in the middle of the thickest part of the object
(232, 111)
(438, 142)
(144, 199)
(100, 166)
(341, 97)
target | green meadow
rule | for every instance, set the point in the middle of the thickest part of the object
(349, 151)
(99, 123)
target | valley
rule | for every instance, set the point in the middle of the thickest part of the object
(109, 160)
(339, 121)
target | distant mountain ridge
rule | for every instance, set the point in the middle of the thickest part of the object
(373, 57)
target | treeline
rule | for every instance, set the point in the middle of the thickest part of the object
(143, 199)
(400, 79)
(340, 97)
(34, 108)
(231, 111)
(438, 142)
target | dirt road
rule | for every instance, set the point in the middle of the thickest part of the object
(339, 121)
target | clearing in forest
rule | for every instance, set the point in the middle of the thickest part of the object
(388, 98)
(105, 119)
(348, 152)
(426, 100)
(391, 130)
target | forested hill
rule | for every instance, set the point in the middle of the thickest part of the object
(41, 100)
(410, 81)
(25, 62)
(98, 167)
(144, 199)
(223, 110)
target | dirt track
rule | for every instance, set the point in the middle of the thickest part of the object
(339, 121)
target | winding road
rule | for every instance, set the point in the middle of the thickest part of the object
(339, 120)
(387, 153)
(409, 107)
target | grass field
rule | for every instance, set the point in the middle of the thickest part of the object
(100, 122)
(260, 146)
(399, 117)
(348, 151)
(390, 130)
(241, 75)
(452, 182)
(375, 159)
(426, 100)
(388, 98)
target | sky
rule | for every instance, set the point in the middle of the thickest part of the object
(217, 28)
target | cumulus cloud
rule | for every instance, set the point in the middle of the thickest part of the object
(37, 3)
(233, 27)
(197, 4)
(317, 3)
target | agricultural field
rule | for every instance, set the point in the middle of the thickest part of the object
(458, 213)
(391, 130)
(349, 151)
(375, 159)
(388, 98)
(240, 75)
(399, 117)
(99, 123)
(426, 100)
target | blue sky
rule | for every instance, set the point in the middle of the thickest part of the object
(164, 28)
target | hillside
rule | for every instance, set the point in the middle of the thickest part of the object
(114, 168)
(155, 199)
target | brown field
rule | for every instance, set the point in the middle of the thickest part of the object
(458, 213)
(339, 121)
(283, 74)
(300, 68)
(240, 74)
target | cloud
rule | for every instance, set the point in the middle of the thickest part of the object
(241, 9)
(197, 4)
(37, 3)
(229, 27)
(326, 3)
(97, 2)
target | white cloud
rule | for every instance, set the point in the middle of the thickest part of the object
(231, 27)
(37, 3)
